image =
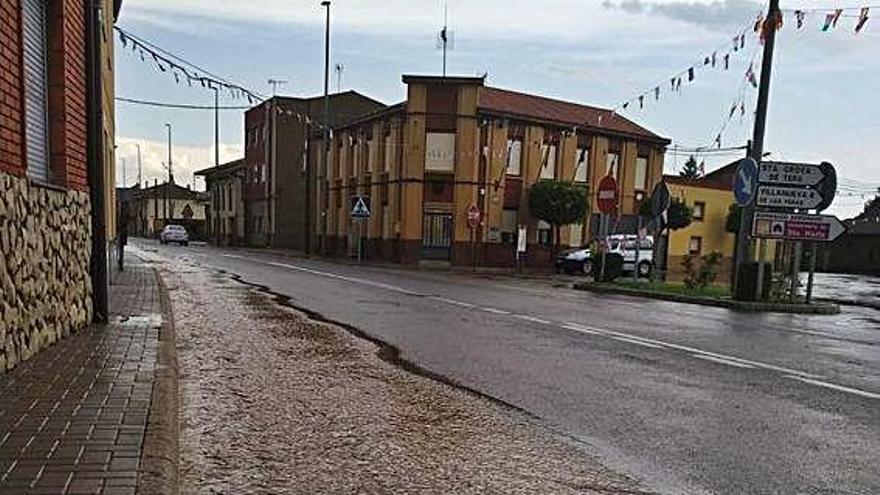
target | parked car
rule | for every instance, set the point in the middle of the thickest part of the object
(579, 261)
(174, 233)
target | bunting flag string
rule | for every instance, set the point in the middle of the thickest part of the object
(831, 17)
(180, 68)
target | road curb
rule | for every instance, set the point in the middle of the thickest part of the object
(160, 457)
(746, 306)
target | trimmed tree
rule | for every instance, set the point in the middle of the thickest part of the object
(558, 203)
(679, 215)
(691, 170)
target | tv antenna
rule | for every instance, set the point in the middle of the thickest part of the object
(275, 83)
(339, 68)
(445, 38)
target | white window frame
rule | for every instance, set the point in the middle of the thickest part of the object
(640, 182)
(582, 167)
(548, 158)
(514, 156)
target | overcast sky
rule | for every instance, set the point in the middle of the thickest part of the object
(824, 98)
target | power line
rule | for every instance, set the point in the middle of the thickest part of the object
(183, 106)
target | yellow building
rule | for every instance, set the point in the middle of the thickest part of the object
(710, 202)
(457, 145)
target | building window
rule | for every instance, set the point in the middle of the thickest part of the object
(509, 218)
(695, 246)
(548, 168)
(36, 89)
(641, 177)
(699, 210)
(545, 233)
(514, 156)
(582, 167)
(440, 151)
(612, 164)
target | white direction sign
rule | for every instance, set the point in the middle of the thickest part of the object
(788, 197)
(792, 227)
(792, 174)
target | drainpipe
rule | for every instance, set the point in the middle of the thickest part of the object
(95, 157)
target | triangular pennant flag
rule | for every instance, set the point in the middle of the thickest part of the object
(799, 16)
(690, 74)
(678, 84)
(726, 61)
(837, 14)
(707, 61)
(714, 58)
(718, 141)
(732, 111)
(625, 105)
(750, 75)
(736, 44)
(123, 38)
(176, 77)
(742, 109)
(742, 42)
(189, 81)
(641, 101)
(759, 23)
(863, 18)
(829, 19)
(672, 84)
(657, 93)
(142, 55)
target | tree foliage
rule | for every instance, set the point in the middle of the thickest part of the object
(558, 203)
(690, 170)
(679, 215)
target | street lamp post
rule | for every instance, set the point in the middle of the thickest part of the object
(326, 127)
(168, 213)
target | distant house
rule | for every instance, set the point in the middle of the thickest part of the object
(225, 220)
(152, 208)
(857, 251)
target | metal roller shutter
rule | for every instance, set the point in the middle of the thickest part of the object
(36, 89)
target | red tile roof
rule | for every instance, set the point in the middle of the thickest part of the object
(528, 106)
(703, 182)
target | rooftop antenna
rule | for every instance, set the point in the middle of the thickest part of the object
(339, 68)
(275, 83)
(445, 39)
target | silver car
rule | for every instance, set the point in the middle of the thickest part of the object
(174, 233)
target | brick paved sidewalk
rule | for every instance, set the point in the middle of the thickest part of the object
(73, 418)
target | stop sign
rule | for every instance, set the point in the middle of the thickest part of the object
(606, 195)
(473, 216)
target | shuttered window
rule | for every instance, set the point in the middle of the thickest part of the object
(36, 88)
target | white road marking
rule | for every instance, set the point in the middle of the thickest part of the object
(636, 342)
(723, 361)
(533, 319)
(453, 302)
(793, 374)
(840, 388)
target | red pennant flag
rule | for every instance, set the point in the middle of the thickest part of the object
(863, 18)
(759, 23)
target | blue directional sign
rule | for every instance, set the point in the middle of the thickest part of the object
(745, 182)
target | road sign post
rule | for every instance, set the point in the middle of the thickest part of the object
(606, 199)
(743, 192)
(360, 211)
(474, 216)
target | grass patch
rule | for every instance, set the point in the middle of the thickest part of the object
(712, 291)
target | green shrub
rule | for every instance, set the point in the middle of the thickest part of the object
(697, 278)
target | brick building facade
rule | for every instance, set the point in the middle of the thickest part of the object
(456, 143)
(282, 139)
(45, 207)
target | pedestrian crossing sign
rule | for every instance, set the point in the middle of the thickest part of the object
(360, 207)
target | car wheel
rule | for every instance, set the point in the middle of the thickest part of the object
(587, 267)
(645, 269)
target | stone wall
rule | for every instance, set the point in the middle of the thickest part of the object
(45, 289)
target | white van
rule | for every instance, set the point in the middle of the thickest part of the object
(579, 260)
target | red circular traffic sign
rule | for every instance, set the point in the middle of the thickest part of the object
(606, 195)
(474, 215)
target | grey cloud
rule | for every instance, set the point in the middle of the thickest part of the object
(711, 15)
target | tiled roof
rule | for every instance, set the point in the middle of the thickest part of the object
(549, 110)
(702, 182)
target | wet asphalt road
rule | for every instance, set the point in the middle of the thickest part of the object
(687, 399)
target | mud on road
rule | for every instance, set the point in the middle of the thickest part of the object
(273, 401)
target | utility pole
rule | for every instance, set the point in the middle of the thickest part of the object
(216, 126)
(140, 169)
(326, 121)
(757, 151)
(444, 34)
